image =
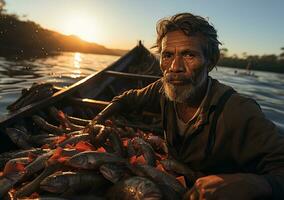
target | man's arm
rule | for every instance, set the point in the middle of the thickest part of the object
(231, 186)
(260, 148)
(257, 149)
(138, 99)
(107, 112)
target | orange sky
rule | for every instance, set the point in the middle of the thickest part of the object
(254, 26)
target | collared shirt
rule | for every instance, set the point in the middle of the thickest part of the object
(183, 126)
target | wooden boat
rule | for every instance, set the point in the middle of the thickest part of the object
(85, 98)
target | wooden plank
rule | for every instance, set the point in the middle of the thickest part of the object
(98, 104)
(131, 75)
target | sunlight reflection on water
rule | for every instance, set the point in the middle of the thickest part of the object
(62, 70)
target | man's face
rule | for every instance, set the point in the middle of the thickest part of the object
(183, 64)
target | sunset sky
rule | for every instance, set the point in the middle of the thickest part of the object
(251, 26)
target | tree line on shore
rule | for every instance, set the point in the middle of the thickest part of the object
(269, 62)
(24, 38)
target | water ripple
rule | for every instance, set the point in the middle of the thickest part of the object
(265, 87)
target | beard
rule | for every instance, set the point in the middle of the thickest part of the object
(187, 91)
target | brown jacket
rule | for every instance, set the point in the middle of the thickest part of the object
(244, 141)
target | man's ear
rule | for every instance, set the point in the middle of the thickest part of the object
(212, 63)
(209, 65)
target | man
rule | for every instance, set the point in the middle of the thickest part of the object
(208, 126)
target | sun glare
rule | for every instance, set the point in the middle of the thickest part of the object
(82, 26)
(76, 73)
(77, 60)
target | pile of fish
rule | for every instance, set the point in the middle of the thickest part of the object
(81, 160)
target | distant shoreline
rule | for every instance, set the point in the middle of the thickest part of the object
(23, 39)
(259, 67)
(20, 54)
(27, 40)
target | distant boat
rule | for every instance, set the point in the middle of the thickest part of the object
(249, 74)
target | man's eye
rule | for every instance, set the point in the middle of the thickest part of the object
(167, 55)
(188, 55)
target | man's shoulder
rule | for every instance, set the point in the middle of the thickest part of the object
(156, 86)
(237, 100)
(217, 90)
(154, 89)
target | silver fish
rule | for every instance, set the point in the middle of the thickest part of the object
(116, 144)
(180, 168)
(31, 187)
(23, 161)
(36, 93)
(19, 137)
(7, 182)
(135, 188)
(38, 164)
(146, 149)
(157, 143)
(63, 120)
(114, 173)
(75, 139)
(159, 177)
(5, 157)
(93, 159)
(60, 182)
(41, 123)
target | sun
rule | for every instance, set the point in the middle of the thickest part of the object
(82, 26)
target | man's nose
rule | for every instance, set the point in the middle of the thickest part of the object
(177, 65)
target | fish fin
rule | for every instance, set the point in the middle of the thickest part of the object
(141, 160)
(101, 149)
(11, 168)
(181, 179)
(84, 146)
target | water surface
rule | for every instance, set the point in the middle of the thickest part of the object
(265, 87)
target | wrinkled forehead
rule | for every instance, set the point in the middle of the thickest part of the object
(177, 39)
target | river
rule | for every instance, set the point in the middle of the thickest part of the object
(64, 69)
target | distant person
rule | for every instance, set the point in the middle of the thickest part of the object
(249, 67)
(208, 126)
